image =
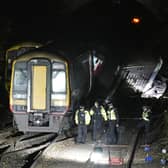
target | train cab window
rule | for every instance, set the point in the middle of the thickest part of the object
(58, 81)
(20, 77)
(12, 54)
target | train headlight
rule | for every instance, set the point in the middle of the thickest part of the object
(19, 96)
(37, 122)
(58, 96)
(97, 154)
(38, 119)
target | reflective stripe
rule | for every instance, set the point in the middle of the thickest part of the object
(87, 117)
(111, 115)
(103, 112)
(98, 112)
(145, 116)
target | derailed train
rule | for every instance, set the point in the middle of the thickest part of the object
(47, 85)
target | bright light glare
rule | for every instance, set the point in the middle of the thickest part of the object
(58, 81)
(69, 152)
(135, 20)
(96, 156)
(38, 122)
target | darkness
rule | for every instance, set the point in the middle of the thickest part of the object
(94, 21)
(101, 24)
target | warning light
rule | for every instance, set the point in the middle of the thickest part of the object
(135, 20)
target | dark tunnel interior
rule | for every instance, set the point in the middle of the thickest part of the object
(128, 36)
(106, 24)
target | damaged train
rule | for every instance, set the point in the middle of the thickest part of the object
(47, 84)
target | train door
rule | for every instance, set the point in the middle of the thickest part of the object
(39, 86)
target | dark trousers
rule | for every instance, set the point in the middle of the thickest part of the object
(111, 135)
(97, 129)
(82, 133)
(145, 125)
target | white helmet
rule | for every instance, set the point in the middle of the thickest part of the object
(164, 151)
(144, 107)
(96, 103)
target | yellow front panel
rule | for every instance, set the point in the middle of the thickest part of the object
(39, 78)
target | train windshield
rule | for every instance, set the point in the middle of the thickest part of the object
(13, 54)
(58, 81)
(20, 77)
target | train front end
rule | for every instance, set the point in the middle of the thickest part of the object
(40, 93)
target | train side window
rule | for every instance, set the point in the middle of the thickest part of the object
(20, 77)
(58, 81)
(20, 80)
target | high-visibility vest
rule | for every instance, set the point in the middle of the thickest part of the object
(145, 115)
(79, 117)
(98, 111)
(111, 114)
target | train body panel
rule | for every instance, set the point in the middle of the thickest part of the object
(55, 123)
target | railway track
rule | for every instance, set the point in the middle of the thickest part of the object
(19, 151)
(30, 150)
(7, 139)
(119, 155)
(65, 152)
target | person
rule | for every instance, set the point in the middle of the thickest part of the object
(98, 114)
(82, 119)
(163, 159)
(145, 123)
(113, 120)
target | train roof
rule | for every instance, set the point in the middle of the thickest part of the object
(24, 44)
(66, 50)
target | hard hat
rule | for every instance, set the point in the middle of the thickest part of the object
(147, 148)
(96, 102)
(107, 101)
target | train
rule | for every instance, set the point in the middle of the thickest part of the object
(12, 53)
(47, 85)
